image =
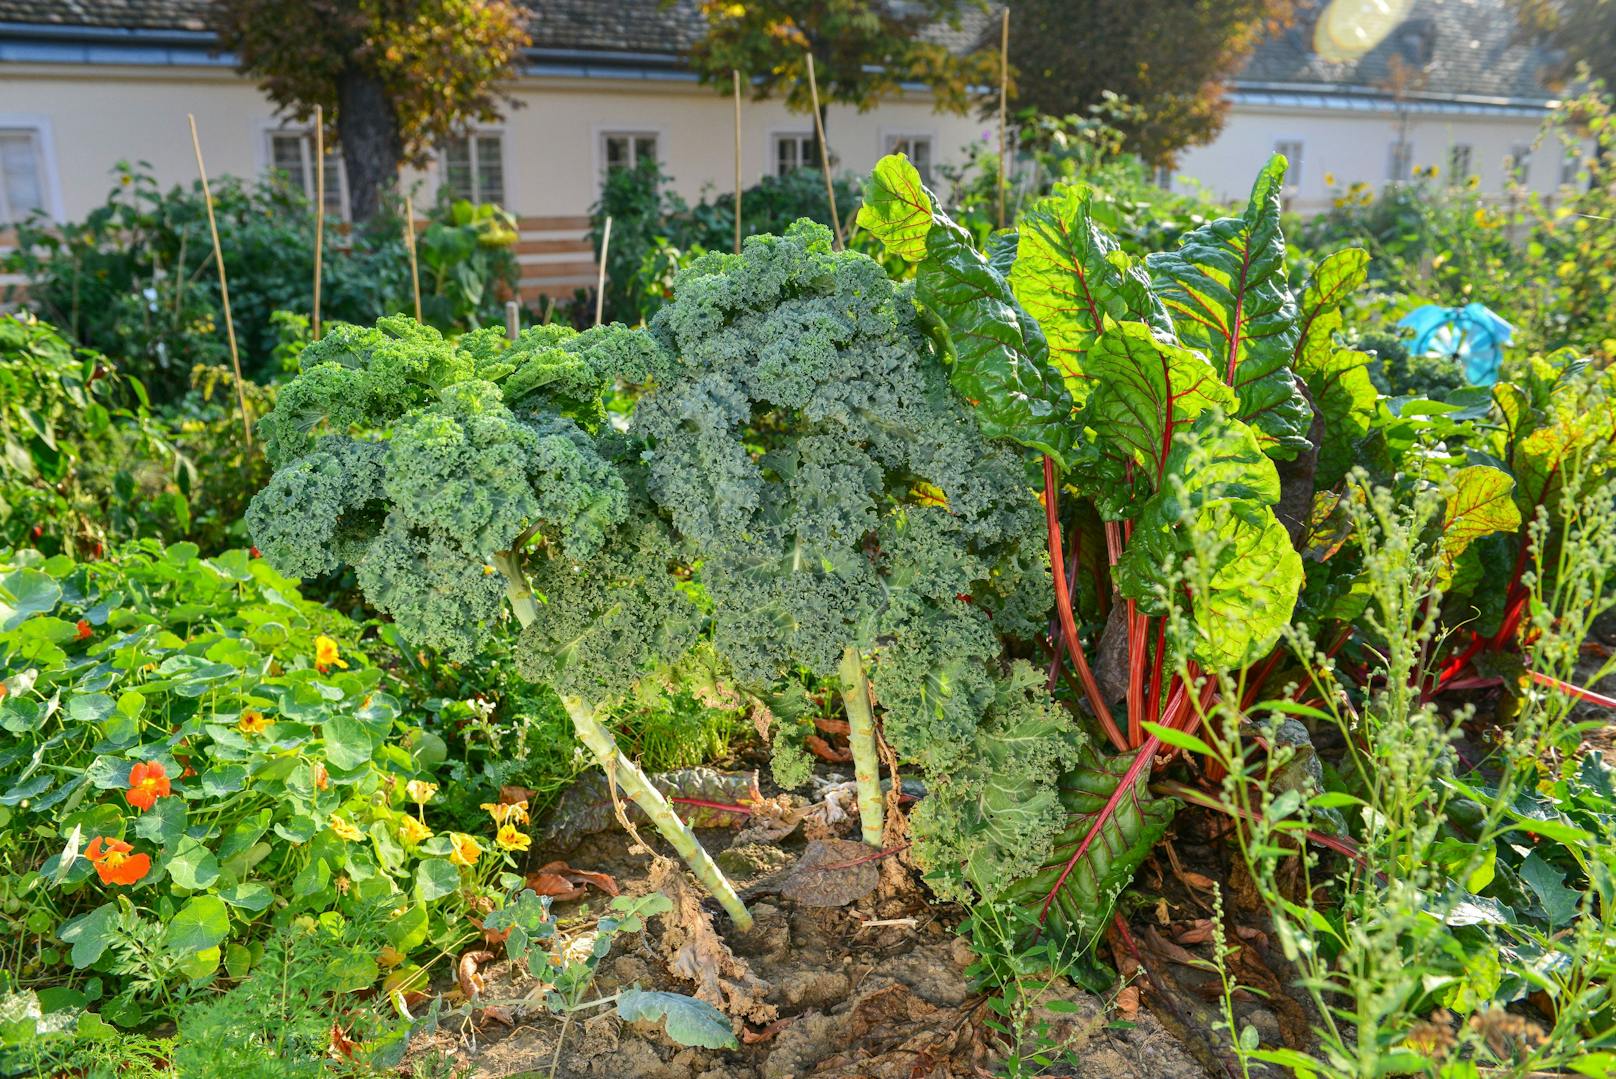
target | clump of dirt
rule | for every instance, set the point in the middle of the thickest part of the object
(875, 989)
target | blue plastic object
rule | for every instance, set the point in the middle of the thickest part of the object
(1472, 334)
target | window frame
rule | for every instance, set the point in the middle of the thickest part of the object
(472, 137)
(804, 140)
(602, 132)
(892, 135)
(1296, 164)
(1466, 151)
(336, 173)
(1518, 165)
(44, 145)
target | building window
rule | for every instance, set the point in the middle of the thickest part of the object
(291, 153)
(1518, 166)
(917, 148)
(628, 149)
(793, 152)
(1459, 155)
(474, 168)
(1163, 177)
(1400, 161)
(1292, 149)
(22, 173)
(1570, 166)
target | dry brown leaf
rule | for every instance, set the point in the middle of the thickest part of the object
(755, 1037)
(512, 795)
(471, 982)
(824, 751)
(694, 951)
(832, 873)
(498, 1015)
(490, 936)
(832, 725)
(1198, 931)
(1127, 1002)
(1197, 880)
(560, 881)
(341, 1047)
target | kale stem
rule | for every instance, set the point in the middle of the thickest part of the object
(861, 737)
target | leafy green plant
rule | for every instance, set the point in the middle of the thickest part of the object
(194, 755)
(440, 470)
(852, 518)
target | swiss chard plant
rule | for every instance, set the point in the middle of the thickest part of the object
(457, 478)
(1166, 397)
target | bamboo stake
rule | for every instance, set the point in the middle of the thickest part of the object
(824, 155)
(600, 281)
(319, 209)
(1004, 91)
(409, 244)
(736, 77)
(513, 319)
(224, 286)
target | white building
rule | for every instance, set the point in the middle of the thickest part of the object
(87, 83)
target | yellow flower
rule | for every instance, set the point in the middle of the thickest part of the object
(326, 654)
(252, 722)
(929, 495)
(345, 829)
(466, 849)
(1329, 179)
(503, 812)
(413, 830)
(511, 837)
(420, 791)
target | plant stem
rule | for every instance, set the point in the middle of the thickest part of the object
(624, 772)
(861, 737)
(643, 793)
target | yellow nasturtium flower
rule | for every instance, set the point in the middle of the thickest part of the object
(413, 830)
(346, 829)
(466, 850)
(420, 791)
(511, 837)
(507, 812)
(327, 654)
(252, 722)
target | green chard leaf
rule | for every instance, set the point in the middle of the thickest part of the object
(1071, 275)
(1225, 288)
(1482, 503)
(1337, 378)
(1000, 358)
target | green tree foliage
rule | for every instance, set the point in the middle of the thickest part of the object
(394, 77)
(1166, 58)
(1581, 32)
(862, 51)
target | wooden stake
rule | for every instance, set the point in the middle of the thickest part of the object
(1004, 90)
(824, 156)
(600, 282)
(319, 209)
(736, 76)
(513, 319)
(409, 243)
(224, 287)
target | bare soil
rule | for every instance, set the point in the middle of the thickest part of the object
(815, 991)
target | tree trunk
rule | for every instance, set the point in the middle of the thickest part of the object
(371, 148)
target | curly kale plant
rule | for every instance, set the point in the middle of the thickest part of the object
(852, 517)
(438, 470)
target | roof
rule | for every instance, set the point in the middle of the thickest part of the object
(652, 27)
(1451, 49)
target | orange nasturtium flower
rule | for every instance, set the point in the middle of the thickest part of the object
(345, 829)
(511, 837)
(322, 778)
(114, 863)
(148, 781)
(84, 631)
(507, 812)
(466, 849)
(326, 655)
(252, 722)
